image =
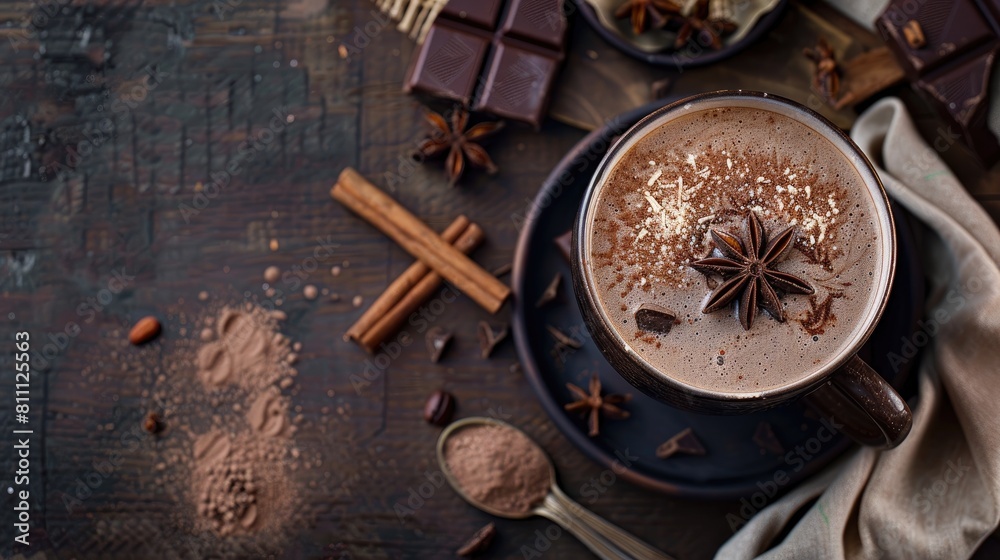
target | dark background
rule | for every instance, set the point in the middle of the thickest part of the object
(68, 223)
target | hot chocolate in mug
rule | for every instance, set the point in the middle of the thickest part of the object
(733, 252)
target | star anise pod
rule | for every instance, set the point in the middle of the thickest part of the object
(826, 76)
(461, 144)
(657, 12)
(747, 266)
(595, 404)
(699, 27)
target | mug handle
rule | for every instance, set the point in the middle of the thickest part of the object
(863, 405)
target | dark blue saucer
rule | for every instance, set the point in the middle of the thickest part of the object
(735, 466)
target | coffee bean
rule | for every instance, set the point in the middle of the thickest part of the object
(440, 408)
(479, 542)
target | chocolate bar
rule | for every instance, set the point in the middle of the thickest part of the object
(947, 49)
(493, 57)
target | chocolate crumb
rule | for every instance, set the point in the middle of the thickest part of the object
(437, 339)
(767, 440)
(654, 318)
(503, 270)
(489, 338)
(479, 542)
(660, 88)
(565, 244)
(563, 339)
(551, 291)
(153, 424)
(685, 442)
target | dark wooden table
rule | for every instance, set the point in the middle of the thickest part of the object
(184, 84)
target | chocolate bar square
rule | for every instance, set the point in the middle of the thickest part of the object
(481, 13)
(536, 21)
(948, 50)
(448, 64)
(517, 82)
(524, 39)
(950, 27)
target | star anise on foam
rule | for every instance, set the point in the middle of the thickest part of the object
(594, 404)
(656, 12)
(699, 27)
(748, 269)
(461, 144)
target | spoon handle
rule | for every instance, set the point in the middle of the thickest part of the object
(551, 509)
(618, 537)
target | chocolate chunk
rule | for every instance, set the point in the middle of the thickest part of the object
(950, 28)
(517, 83)
(563, 338)
(525, 43)
(153, 424)
(947, 49)
(440, 408)
(766, 439)
(503, 270)
(537, 21)
(481, 13)
(962, 92)
(551, 291)
(437, 339)
(565, 244)
(685, 443)
(654, 318)
(448, 63)
(479, 541)
(489, 338)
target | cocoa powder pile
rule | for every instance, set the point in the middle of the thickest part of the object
(227, 454)
(499, 467)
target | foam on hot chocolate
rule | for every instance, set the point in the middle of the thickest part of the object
(707, 170)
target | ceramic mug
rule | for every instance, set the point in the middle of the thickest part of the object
(842, 386)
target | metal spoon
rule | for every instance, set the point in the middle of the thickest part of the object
(604, 539)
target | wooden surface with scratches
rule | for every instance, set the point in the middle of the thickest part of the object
(118, 122)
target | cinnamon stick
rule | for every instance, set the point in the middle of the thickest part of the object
(401, 285)
(425, 288)
(366, 200)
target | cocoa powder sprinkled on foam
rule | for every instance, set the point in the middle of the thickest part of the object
(706, 170)
(499, 467)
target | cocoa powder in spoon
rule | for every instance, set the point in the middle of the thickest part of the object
(499, 467)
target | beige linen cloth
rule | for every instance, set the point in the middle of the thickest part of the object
(937, 495)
